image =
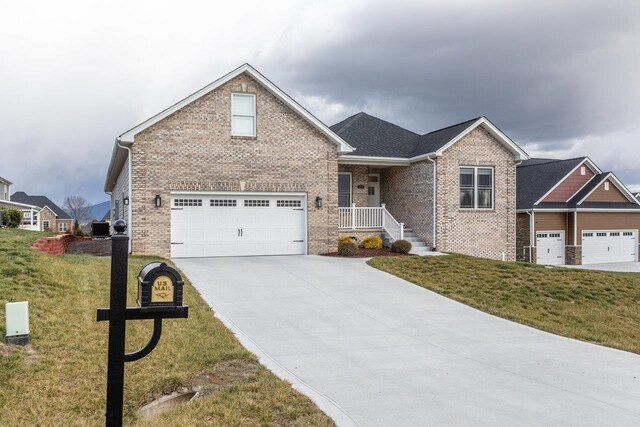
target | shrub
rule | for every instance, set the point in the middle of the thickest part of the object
(347, 248)
(345, 239)
(11, 218)
(373, 242)
(401, 246)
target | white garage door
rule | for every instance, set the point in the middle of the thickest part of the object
(550, 247)
(210, 225)
(599, 246)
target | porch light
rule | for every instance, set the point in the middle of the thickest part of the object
(125, 201)
(158, 201)
(318, 202)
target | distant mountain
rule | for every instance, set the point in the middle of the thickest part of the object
(98, 211)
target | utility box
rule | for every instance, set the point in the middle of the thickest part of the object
(17, 314)
(159, 286)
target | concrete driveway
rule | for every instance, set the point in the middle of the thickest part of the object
(631, 267)
(374, 350)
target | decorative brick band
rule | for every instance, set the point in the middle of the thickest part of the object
(278, 187)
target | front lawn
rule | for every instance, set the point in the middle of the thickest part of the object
(60, 379)
(599, 307)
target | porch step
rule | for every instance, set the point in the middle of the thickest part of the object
(418, 246)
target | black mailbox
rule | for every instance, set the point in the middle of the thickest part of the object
(159, 286)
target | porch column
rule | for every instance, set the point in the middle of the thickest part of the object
(31, 219)
(353, 216)
(383, 207)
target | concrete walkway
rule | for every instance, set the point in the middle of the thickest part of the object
(630, 267)
(375, 350)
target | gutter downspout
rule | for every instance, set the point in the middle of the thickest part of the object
(129, 208)
(435, 170)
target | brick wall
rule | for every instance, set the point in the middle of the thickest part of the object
(193, 150)
(47, 215)
(488, 233)
(408, 193)
(53, 245)
(359, 176)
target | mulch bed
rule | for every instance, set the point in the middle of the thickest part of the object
(90, 247)
(368, 253)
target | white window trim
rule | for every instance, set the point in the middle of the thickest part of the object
(26, 215)
(350, 188)
(62, 226)
(255, 114)
(606, 186)
(475, 188)
(46, 224)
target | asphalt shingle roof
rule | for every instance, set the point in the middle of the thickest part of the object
(535, 177)
(375, 137)
(40, 201)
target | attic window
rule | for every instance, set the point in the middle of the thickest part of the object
(583, 170)
(606, 186)
(243, 114)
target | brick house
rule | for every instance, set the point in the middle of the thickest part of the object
(239, 168)
(39, 213)
(571, 212)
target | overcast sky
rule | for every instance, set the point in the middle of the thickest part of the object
(561, 78)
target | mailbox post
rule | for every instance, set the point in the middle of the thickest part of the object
(159, 297)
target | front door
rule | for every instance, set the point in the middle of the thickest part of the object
(373, 188)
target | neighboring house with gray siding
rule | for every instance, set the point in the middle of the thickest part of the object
(239, 168)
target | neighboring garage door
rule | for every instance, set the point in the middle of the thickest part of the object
(600, 246)
(211, 225)
(550, 247)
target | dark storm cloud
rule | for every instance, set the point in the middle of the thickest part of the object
(546, 71)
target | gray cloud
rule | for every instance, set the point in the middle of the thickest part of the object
(558, 77)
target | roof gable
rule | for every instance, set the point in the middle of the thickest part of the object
(343, 147)
(536, 178)
(118, 155)
(618, 192)
(374, 137)
(567, 187)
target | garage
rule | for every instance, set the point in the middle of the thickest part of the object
(550, 247)
(231, 224)
(601, 246)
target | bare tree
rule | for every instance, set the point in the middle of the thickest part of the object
(79, 209)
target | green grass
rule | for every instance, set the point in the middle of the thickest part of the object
(60, 379)
(594, 306)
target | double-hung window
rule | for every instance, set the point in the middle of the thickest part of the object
(476, 188)
(344, 190)
(243, 114)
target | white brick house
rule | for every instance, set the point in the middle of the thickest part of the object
(239, 168)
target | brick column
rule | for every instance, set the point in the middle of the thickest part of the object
(573, 255)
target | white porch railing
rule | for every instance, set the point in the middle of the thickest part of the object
(355, 218)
